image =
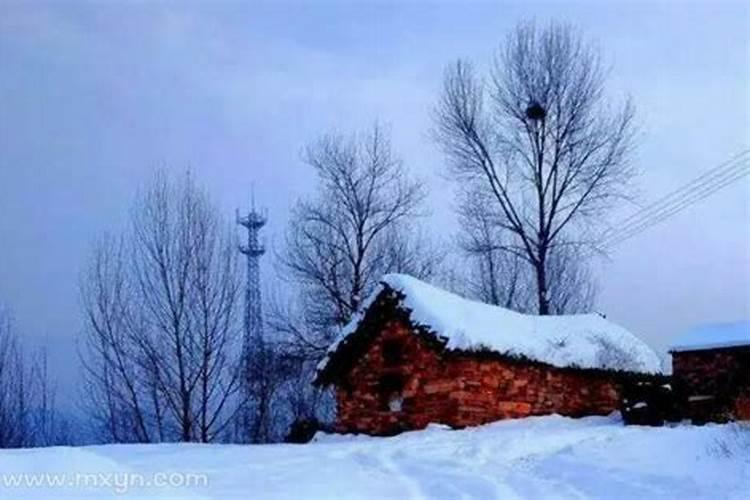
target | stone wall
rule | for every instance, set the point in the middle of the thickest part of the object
(403, 383)
(714, 383)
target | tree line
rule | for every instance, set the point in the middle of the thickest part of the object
(539, 157)
(27, 395)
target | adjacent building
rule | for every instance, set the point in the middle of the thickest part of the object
(711, 372)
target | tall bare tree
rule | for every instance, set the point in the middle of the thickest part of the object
(539, 140)
(115, 367)
(357, 228)
(162, 335)
(497, 276)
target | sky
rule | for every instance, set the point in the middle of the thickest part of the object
(95, 96)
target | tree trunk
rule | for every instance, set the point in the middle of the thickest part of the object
(541, 285)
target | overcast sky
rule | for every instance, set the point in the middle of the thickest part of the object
(94, 96)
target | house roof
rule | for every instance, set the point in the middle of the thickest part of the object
(578, 341)
(716, 336)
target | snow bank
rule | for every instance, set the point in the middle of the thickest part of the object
(714, 336)
(534, 458)
(582, 340)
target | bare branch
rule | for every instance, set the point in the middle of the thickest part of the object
(546, 175)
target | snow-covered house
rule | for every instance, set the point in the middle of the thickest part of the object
(418, 354)
(711, 371)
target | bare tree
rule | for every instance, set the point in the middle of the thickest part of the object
(14, 392)
(267, 368)
(162, 340)
(539, 141)
(501, 277)
(340, 242)
(114, 364)
(494, 276)
(359, 226)
(28, 416)
(572, 286)
(50, 426)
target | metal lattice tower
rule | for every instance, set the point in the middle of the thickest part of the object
(253, 342)
(253, 250)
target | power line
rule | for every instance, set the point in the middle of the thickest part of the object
(668, 211)
(656, 218)
(714, 175)
(694, 191)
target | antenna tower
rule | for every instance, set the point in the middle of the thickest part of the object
(253, 342)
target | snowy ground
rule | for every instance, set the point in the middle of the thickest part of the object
(545, 457)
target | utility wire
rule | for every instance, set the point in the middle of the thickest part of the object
(737, 170)
(699, 188)
(674, 209)
(655, 218)
(728, 167)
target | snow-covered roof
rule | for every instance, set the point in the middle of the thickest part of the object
(714, 337)
(581, 340)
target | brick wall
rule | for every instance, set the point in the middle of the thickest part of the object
(714, 383)
(402, 383)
